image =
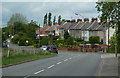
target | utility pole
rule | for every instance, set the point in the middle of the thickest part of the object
(39, 35)
(108, 31)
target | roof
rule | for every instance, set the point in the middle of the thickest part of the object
(52, 28)
(74, 25)
(85, 25)
(94, 26)
(91, 26)
(42, 30)
(78, 26)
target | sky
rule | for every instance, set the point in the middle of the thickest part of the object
(36, 10)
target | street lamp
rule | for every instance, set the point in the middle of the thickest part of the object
(79, 15)
(83, 19)
(27, 42)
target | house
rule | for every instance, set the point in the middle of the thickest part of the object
(41, 31)
(82, 29)
(54, 30)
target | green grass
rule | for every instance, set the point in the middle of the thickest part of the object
(119, 57)
(24, 57)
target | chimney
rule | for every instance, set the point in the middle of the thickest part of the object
(94, 19)
(79, 20)
(102, 19)
(55, 23)
(67, 20)
(86, 19)
(73, 20)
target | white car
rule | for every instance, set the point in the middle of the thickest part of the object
(43, 48)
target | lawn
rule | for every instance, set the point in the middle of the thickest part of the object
(24, 57)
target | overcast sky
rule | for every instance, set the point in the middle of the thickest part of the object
(37, 10)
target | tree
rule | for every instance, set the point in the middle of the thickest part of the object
(66, 35)
(59, 19)
(54, 20)
(110, 10)
(49, 19)
(113, 41)
(17, 17)
(45, 19)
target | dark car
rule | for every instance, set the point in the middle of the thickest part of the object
(52, 49)
(5, 44)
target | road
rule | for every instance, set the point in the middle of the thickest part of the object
(65, 64)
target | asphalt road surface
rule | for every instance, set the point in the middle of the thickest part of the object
(65, 64)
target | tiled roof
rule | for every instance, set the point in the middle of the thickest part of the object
(85, 25)
(93, 26)
(73, 25)
(78, 26)
(52, 28)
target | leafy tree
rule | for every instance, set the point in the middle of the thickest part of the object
(16, 39)
(49, 19)
(17, 17)
(94, 39)
(54, 20)
(45, 19)
(66, 35)
(110, 10)
(113, 41)
(59, 19)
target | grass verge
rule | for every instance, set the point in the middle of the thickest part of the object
(6, 61)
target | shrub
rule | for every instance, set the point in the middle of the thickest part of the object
(70, 40)
(22, 41)
(78, 39)
(15, 39)
(94, 39)
(66, 35)
(45, 41)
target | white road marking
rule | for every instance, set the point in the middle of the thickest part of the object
(39, 71)
(51, 66)
(59, 62)
(66, 60)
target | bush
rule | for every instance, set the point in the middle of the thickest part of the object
(94, 39)
(78, 39)
(70, 40)
(45, 41)
(66, 35)
(15, 39)
(22, 41)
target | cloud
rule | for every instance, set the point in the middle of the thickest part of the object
(37, 10)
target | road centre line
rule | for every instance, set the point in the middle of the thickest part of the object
(66, 60)
(39, 71)
(59, 62)
(51, 66)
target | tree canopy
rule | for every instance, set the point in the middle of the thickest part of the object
(17, 17)
(111, 11)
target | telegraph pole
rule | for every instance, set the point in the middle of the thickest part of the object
(39, 35)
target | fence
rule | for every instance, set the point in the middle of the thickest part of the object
(12, 52)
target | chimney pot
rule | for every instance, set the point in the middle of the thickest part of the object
(73, 20)
(86, 19)
(79, 20)
(94, 19)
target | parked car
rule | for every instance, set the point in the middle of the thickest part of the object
(52, 49)
(5, 44)
(43, 48)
